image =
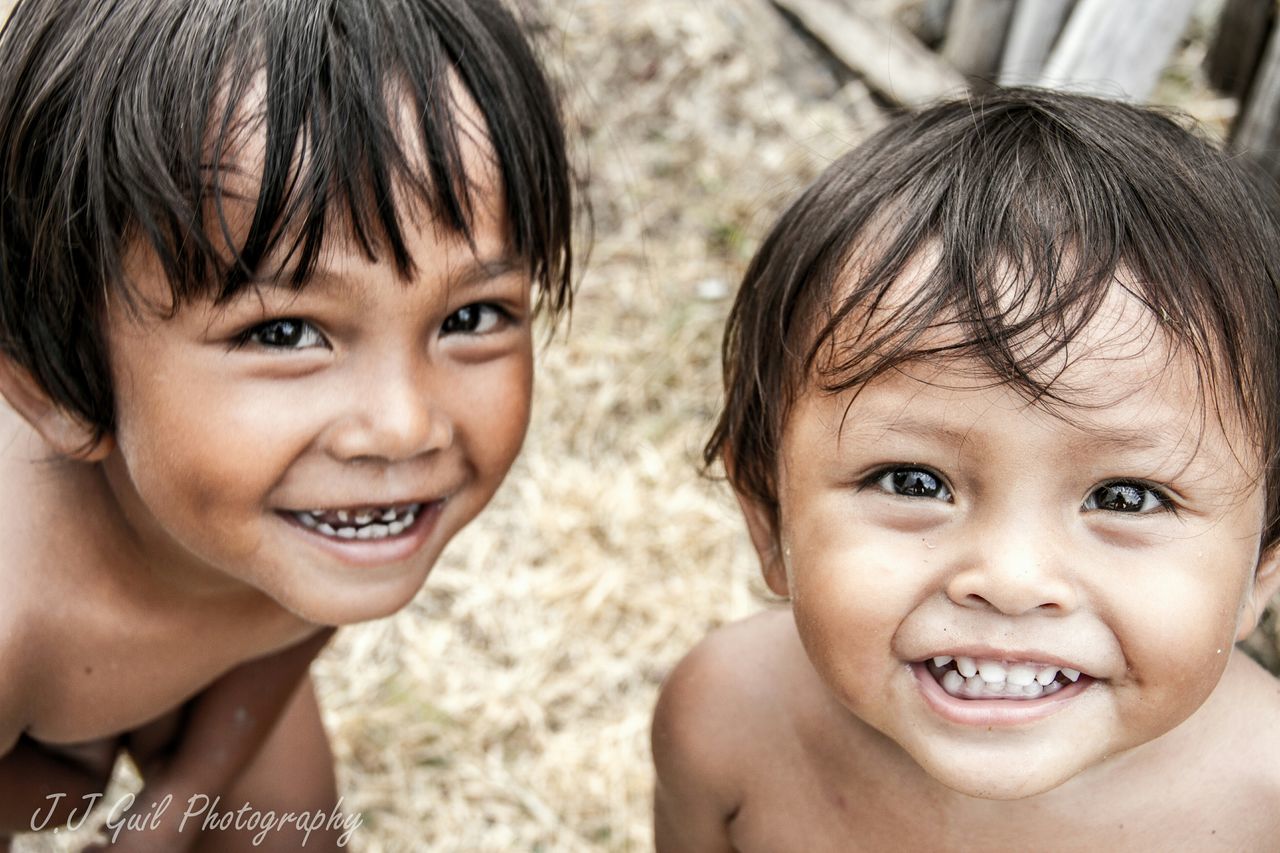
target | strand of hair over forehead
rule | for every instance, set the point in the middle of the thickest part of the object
(1024, 214)
(169, 133)
(329, 65)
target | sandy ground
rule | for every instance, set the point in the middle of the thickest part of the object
(508, 707)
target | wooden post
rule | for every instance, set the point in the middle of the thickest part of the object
(1034, 29)
(975, 37)
(1257, 131)
(929, 21)
(1238, 42)
(1116, 49)
(886, 57)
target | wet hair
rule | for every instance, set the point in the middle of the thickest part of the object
(1016, 213)
(119, 125)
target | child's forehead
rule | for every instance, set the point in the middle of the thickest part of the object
(243, 166)
(1120, 377)
(239, 144)
(1025, 317)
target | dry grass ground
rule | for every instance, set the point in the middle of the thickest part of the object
(508, 707)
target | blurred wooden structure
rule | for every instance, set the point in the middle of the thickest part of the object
(1112, 48)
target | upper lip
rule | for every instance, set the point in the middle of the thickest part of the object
(361, 503)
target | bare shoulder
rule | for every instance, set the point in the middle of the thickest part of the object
(1237, 747)
(725, 688)
(710, 727)
(29, 603)
(15, 656)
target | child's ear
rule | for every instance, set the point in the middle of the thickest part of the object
(1266, 583)
(67, 434)
(762, 525)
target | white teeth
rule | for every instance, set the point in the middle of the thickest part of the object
(952, 681)
(347, 532)
(991, 672)
(343, 515)
(389, 515)
(377, 531)
(364, 518)
(395, 527)
(978, 678)
(1021, 675)
(326, 529)
(364, 533)
(306, 518)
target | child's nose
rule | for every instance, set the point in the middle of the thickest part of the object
(395, 416)
(1014, 569)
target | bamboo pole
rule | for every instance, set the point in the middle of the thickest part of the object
(1258, 131)
(975, 37)
(1034, 29)
(1116, 49)
(890, 60)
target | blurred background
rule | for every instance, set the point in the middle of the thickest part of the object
(508, 707)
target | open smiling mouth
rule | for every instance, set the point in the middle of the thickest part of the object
(981, 678)
(374, 522)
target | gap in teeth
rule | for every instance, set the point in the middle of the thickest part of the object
(361, 523)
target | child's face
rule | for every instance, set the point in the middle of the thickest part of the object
(935, 517)
(394, 407)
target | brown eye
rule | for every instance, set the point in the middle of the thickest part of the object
(287, 333)
(476, 319)
(1126, 497)
(913, 483)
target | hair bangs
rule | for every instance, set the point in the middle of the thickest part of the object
(127, 125)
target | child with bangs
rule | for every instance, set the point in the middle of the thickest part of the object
(1002, 413)
(267, 287)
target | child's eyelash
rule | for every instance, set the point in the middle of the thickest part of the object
(910, 481)
(468, 319)
(1133, 497)
(289, 332)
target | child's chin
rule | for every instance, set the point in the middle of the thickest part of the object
(997, 783)
(336, 611)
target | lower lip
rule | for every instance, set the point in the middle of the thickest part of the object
(993, 712)
(370, 553)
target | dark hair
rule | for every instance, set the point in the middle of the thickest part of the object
(116, 117)
(1021, 207)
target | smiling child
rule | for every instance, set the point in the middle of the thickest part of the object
(268, 273)
(1002, 413)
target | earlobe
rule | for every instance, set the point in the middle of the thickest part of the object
(762, 526)
(65, 433)
(1266, 584)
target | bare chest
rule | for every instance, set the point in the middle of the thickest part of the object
(863, 794)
